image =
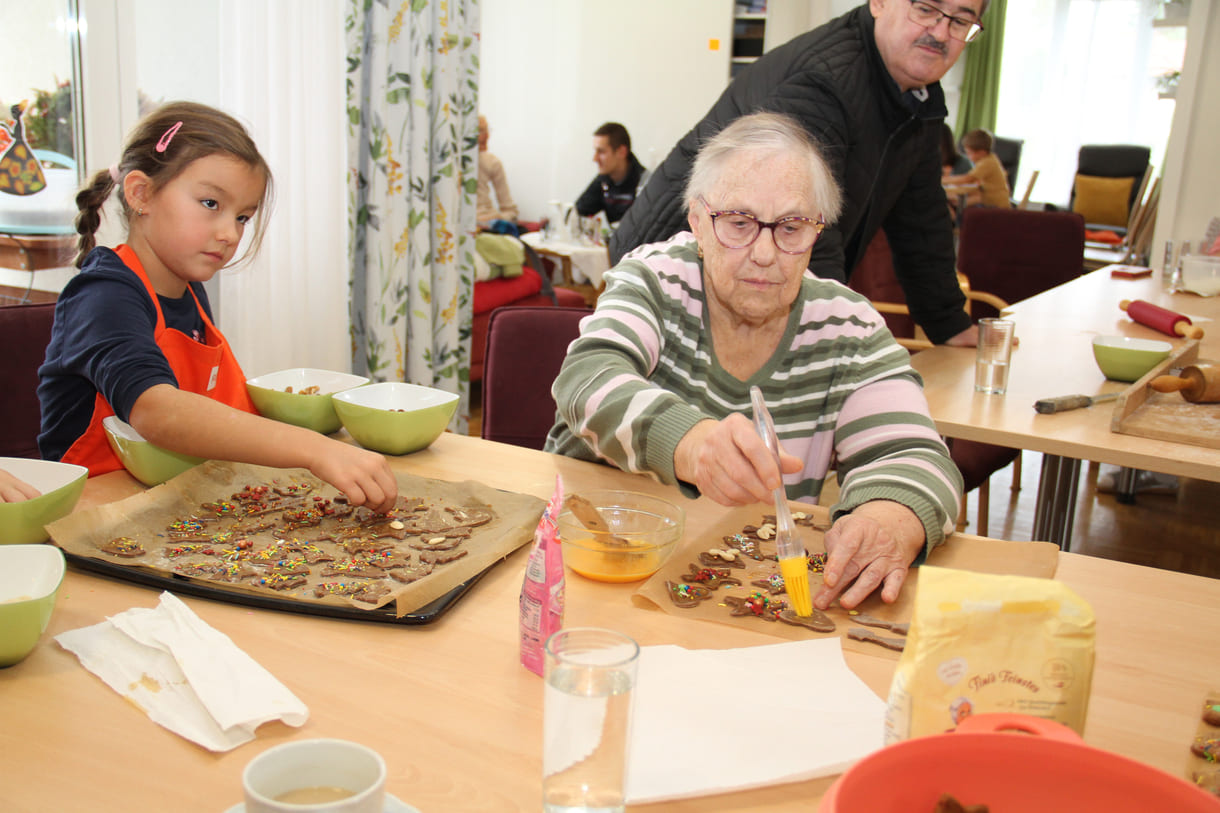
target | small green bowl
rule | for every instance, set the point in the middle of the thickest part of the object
(61, 484)
(395, 418)
(1122, 358)
(30, 576)
(149, 464)
(271, 396)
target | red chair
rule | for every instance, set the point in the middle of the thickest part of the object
(25, 331)
(531, 289)
(1012, 254)
(525, 349)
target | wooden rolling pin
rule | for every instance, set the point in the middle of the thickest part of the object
(1199, 385)
(1158, 318)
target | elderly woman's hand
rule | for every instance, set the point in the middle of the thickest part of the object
(728, 462)
(872, 546)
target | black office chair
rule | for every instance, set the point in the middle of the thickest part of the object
(1114, 161)
(1008, 151)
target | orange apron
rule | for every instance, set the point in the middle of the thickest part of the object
(207, 368)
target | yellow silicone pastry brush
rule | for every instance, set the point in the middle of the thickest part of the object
(793, 563)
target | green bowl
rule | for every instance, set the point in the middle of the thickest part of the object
(271, 396)
(149, 464)
(1122, 358)
(61, 484)
(395, 418)
(30, 576)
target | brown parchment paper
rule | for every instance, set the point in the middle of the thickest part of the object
(145, 516)
(980, 555)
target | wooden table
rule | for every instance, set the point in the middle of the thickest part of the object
(581, 265)
(1055, 357)
(459, 720)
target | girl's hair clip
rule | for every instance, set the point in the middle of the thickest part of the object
(168, 136)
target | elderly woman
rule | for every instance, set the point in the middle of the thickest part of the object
(659, 378)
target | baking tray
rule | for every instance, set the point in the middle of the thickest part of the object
(182, 585)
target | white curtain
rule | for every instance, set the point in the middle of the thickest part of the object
(1078, 72)
(281, 73)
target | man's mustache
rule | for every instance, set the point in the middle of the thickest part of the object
(929, 41)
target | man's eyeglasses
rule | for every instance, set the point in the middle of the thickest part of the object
(792, 235)
(929, 16)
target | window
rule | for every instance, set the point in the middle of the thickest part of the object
(39, 139)
(1083, 72)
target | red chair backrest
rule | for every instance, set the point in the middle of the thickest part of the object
(25, 331)
(1015, 254)
(525, 348)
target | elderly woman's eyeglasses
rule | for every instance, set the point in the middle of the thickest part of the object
(929, 16)
(792, 235)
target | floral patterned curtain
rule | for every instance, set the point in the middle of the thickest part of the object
(412, 103)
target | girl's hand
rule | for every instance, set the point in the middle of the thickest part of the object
(364, 477)
(14, 490)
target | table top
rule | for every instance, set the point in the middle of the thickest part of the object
(459, 720)
(1055, 357)
(589, 262)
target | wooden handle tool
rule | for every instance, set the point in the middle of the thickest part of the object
(1199, 385)
(1063, 403)
(1162, 319)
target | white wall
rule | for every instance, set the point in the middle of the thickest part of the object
(552, 71)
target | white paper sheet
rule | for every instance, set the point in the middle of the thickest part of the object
(695, 711)
(187, 676)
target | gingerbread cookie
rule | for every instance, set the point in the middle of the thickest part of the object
(410, 574)
(755, 604)
(868, 636)
(123, 546)
(773, 584)
(713, 577)
(1207, 780)
(440, 557)
(881, 623)
(817, 621)
(948, 804)
(717, 557)
(1207, 748)
(687, 595)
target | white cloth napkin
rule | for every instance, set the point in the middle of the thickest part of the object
(714, 721)
(185, 675)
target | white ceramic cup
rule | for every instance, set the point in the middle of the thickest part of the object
(295, 768)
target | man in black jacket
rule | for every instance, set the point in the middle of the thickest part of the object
(620, 174)
(867, 86)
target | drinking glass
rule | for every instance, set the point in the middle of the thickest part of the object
(590, 673)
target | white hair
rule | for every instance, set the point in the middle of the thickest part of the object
(765, 133)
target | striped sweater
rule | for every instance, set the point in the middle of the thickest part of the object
(841, 391)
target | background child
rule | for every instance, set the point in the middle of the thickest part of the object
(133, 333)
(987, 172)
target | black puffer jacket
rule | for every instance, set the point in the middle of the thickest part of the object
(882, 145)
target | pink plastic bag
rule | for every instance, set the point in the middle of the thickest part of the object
(543, 587)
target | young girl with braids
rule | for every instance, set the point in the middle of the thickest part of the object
(133, 333)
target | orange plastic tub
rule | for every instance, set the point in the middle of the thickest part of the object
(985, 762)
